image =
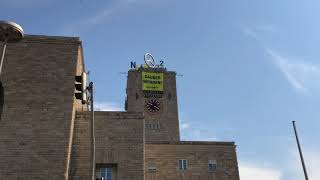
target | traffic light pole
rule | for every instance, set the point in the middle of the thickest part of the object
(2, 56)
(92, 133)
(300, 151)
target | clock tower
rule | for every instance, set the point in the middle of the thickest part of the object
(153, 92)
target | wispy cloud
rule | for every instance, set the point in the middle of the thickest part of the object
(108, 12)
(98, 17)
(24, 3)
(303, 76)
(250, 33)
(252, 171)
(256, 31)
(101, 16)
(107, 106)
(267, 28)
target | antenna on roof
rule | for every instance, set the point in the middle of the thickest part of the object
(123, 73)
(88, 75)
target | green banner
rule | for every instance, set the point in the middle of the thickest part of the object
(152, 81)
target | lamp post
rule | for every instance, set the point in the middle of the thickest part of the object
(92, 133)
(10, 32)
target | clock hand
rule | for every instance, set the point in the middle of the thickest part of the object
(153, 105)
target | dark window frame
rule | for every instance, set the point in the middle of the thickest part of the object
(183, 164)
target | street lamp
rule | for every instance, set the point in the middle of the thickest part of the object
(10, 32)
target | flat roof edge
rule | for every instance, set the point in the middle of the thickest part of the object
(45, 38)
(229, 143)
(112, 113)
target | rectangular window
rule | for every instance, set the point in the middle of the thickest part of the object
(183, 164)
(212, 165)
(152, 166)
(152, 126)
(106, 173)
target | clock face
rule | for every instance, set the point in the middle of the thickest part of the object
(153, 105)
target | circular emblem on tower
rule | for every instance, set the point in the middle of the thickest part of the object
(149, 60)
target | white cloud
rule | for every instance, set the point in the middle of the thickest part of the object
(301, 75)
(190, 132)
(313, 164)
(290, 169)
(107, 106)
(184, 125)
(250, 171)
(312, 161)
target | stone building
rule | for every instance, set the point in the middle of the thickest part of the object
(45, 134)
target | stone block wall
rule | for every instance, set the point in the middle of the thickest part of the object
(36, 121)
(162, 160)
(119, 141)
(80, 167)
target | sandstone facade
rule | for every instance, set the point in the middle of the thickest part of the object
(37, 117)
(45, 132)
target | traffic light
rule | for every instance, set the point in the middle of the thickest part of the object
(81, 87)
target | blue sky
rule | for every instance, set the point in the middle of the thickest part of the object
(248, 68)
